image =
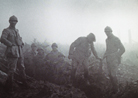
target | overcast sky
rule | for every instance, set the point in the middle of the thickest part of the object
(63, 21)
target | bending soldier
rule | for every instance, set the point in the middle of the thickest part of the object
(79, 53)
(114, 51)
(14, 53)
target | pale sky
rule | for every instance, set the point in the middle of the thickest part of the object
(63, 21)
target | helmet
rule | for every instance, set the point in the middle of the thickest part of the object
(107, 28)
(54, 45)
(13, 18)
(91, 37)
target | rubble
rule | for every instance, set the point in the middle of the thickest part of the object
(43, 89)
(53, 84)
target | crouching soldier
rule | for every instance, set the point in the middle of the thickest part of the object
(14, 52)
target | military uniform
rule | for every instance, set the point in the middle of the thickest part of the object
(114, 50)
(54, 57)
(80, 49)
(14, 52)
(29, 62)
(39, 64)
(55, 60)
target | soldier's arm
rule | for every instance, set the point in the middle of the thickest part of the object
(4, 38)
(73, 45)
(17, 31)
(94, 51)
(120, 47)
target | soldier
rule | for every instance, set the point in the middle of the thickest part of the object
(39, 63)
(29, 59)
(14, 53)
(57, 65)
(34, 50)
(40, 53)
(80, 51)
(114, 51)
(55, 61)
(54, 56)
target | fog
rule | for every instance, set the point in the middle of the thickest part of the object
(63, 21)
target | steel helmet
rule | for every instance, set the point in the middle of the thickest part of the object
(54, 45)
(91, 37)
(13, 18)
(107, 28)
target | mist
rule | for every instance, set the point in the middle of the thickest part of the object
(44, 22)
(63, 21)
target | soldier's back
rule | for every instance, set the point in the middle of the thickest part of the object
(82, 50)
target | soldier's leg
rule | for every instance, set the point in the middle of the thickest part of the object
(20, 66)
(85, 65)
(109, 70)
(115, 64)
(112, 67)
(12, 63)
(74, 68)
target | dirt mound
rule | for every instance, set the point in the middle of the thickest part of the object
(42, 89)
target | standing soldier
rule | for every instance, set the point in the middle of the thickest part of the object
(114, 51)
(33, 52)
(39, 63)
(55, 58)
(79, 53)
(29, 57)
(14, 53)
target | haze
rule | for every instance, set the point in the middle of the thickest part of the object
(63, 21)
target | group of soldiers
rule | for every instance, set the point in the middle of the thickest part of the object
(79, 52)
(36, 59)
